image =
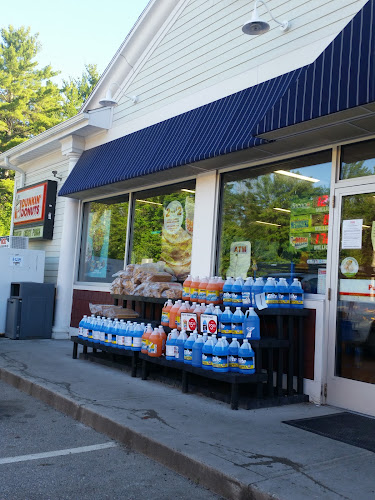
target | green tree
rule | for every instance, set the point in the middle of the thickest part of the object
(6, 196)
(30, 102)
(75, 91)
(253, 199)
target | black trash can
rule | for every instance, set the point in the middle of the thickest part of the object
(30, 310)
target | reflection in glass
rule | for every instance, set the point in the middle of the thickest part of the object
(283, 212)
(103, 239)
(357, 160)
(355, 341)
(163, 227)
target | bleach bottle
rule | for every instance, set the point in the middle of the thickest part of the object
(233, 355)
(283, 292)
(196, 359)
(257, 289)
(103, 338)
(120, 333)
(188, 349)
(179, 350)
(220, 356)
(296, 294)
(107, 332)
(207, 354)
(112, 333)
(271, 292)
(170, 345)
(237, 292)
(96, 330)
(217, 312)
(137, 337)
(226, 322)
(251, 325)
(91, 326)
(128, 340)
(238, 319)
(246, 358)
(227, 292)
(81, 326)
(246, 292)
(86, 328)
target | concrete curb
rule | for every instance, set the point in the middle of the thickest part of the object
(200, 473)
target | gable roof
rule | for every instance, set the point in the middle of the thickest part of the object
(143, 32)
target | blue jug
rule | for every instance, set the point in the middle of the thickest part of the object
(246, 358)
(251, 325)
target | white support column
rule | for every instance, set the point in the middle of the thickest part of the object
(72, 148)
(205, 221)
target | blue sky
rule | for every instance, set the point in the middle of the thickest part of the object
(75, 32)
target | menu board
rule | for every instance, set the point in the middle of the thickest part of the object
(309, 220)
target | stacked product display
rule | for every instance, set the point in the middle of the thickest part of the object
(220, 316)
(203, 351)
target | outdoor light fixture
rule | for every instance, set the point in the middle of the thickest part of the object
(54, 173)
(111, 102)
(188, 190)
(256, 25)
(296, 176)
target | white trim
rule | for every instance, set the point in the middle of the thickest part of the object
(361, 393)
(128, 229)
(92, 286)
(143, 188)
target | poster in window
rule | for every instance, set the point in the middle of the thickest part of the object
(97, 244)
(176, 241)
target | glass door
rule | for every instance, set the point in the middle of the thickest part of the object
(351, 356)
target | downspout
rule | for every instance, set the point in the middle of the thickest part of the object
(9, 166)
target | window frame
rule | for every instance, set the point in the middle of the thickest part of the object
(132, 196)
(263, 169)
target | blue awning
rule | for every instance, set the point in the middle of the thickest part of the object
(342, 77)
(218, 128)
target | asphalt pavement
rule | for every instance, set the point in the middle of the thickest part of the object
(236, 454)
(48, 455)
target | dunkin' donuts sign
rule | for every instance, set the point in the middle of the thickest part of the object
(30, 204)
(34, 210)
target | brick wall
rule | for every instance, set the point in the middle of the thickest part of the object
(81, 300)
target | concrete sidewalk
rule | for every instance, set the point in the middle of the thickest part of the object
(237, 454)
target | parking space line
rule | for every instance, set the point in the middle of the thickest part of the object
(58, 453)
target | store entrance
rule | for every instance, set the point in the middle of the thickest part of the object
(351, 363)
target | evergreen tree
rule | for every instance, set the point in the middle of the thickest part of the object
(76, 90)
(30, 102)
(6, 197)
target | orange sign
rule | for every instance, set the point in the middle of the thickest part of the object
(30, 204)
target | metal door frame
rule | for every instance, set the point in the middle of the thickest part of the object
(342, 392)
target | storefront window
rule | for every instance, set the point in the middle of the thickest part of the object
(357, 160)
(103, 239)
(163, 227)
(274, 221)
